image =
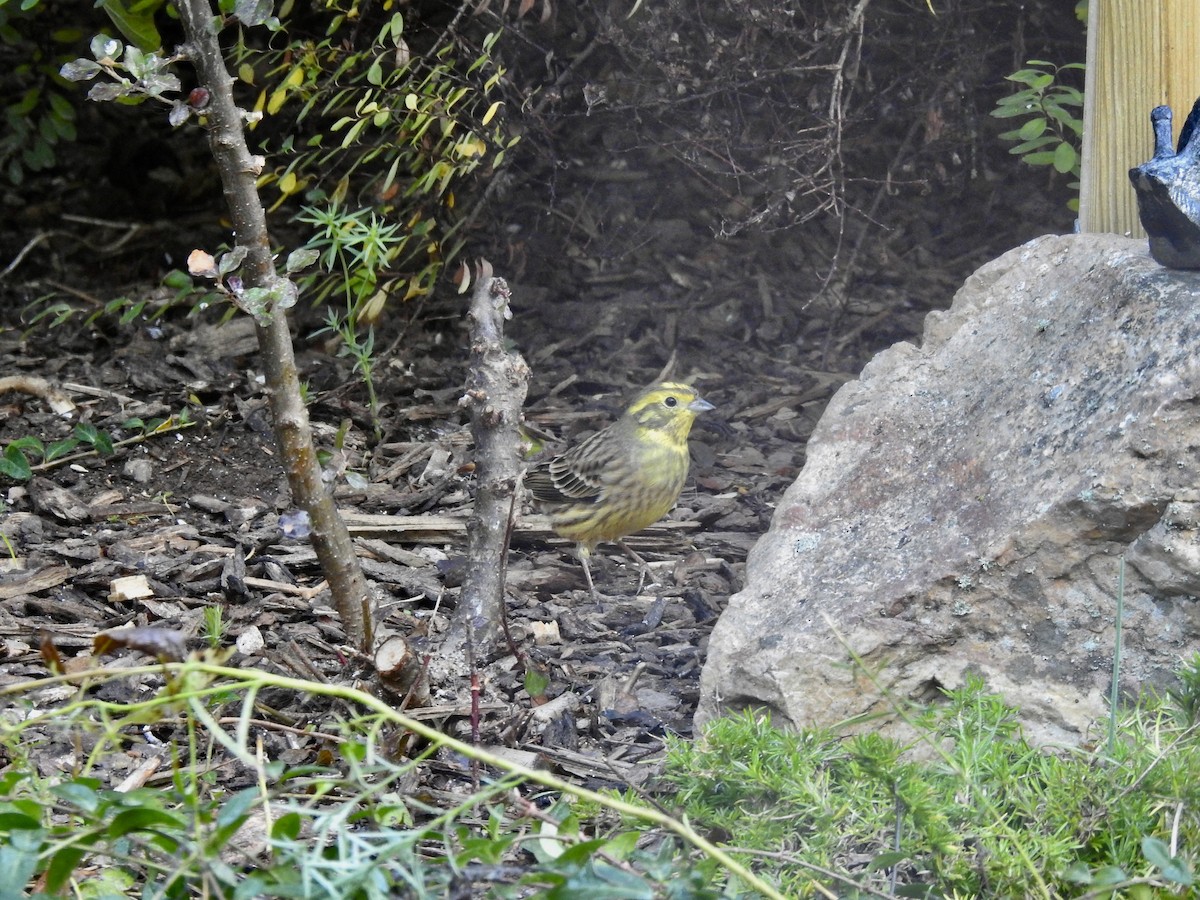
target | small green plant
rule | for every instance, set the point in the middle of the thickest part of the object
(361, 349)
(15, 463)
(990, 816)
(125, 310)
(26, 454)
(356, 248)
(1186, 695)
(347, 824)
(214, 626)
(977, 813)
(1052, 131)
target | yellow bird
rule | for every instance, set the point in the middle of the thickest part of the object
(621, 479)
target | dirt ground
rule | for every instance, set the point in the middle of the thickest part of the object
(633, 288)
(186, 507)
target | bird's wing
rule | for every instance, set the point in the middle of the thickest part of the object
(576, 475)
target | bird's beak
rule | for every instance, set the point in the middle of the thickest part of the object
(698, 406)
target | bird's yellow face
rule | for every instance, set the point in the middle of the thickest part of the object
(666, 411)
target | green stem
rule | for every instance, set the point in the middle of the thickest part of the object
(1114, 694)
(255, 680)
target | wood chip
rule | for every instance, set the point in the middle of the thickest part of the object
(129, 587)
(34, 582)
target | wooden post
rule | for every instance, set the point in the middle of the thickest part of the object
(1140, 54)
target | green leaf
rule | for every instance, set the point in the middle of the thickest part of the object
(28, 103)
(580, 853)
(535, 683)
(103, 444)
(287, 827)
(1011, 111)
(1067, 96)
(105, 47)
(301, 259)
(257, 302)
(1058, 113)
(354, 132)
(231, 260)
(80, 70)
(1032, 77)
(59, 449)
(887, 860)
(63, 865)
(14, 465)
(64, 129)
(80, 793)
(13, 820)
(603, 881)
(1172, 868)
(61, 106)
(1036, 144)
(1032, 129)
(86, 432)
(621, 846)
(29, 442)
(1078, 873)
(138, 62)
(143, 818)
(235, 810)
(283, 293)
(106, 90)
(132, 312)
(1157, 852)
(1041, 158)
(1108, 875)
(1066, 158)
(18, 862)
(177, 280)
(135, 21)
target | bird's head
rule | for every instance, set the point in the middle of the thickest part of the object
(669, 408)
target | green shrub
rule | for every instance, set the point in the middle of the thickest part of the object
(39, 106)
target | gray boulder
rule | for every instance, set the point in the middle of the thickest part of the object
(964, 507)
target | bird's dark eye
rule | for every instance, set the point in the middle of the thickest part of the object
(670, 402)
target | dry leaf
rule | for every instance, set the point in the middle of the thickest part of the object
(164, 644)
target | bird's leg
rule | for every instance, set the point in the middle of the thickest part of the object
(583, 553)
(643, 566)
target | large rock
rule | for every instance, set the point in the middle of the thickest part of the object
(964, 506)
